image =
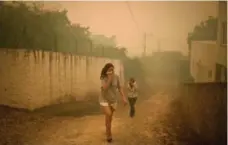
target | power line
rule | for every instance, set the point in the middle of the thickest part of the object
(132, 16)
(137, 26)
(139, 31)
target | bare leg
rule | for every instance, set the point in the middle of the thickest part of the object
(108, 120)
(111, 116)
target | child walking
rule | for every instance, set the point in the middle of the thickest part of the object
(132, 95)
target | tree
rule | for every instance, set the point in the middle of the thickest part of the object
(28, 25)
(206, 30)
(108, 46)
(122, 52)
(103, 40)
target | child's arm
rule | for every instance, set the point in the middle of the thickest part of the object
(128, 87)
(135, 86)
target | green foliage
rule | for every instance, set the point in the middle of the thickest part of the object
(107, 47)
(28, 25)
(103, 40)
(206, 30)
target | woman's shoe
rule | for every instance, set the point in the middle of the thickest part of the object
(109, 136)
(109, 140)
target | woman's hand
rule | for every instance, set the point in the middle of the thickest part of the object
(124, 101)
(110, 77)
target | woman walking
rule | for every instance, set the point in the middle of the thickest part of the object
(132, 95)
(110, 83)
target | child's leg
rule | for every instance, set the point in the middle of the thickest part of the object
(131, 103)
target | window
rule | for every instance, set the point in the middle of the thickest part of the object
(224, 33)
(210, 74)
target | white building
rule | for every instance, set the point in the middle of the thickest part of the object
(208, 59)
(203, 61)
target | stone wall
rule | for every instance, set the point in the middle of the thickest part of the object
(37, 78)
(203, 107)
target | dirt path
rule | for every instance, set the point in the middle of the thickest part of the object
(146, 128)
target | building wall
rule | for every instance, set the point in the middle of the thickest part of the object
(203, 61)
(222, 33)
(204, 109)
(209, 59)
(36, 79)
(222, 42)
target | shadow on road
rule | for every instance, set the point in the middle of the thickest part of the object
(76, 109)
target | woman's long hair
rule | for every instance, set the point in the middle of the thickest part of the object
(105, 69)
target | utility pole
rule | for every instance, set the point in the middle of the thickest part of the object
(145, 42)
(144, 47)
(102, 49)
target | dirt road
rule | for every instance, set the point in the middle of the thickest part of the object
(154, 124)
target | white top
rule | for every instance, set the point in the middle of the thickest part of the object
(132, 92)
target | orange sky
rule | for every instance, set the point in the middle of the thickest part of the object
(169, 21)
